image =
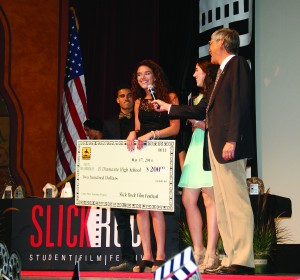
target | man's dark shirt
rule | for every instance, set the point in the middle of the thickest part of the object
(117, 128)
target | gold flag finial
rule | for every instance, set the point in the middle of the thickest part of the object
(76, 19)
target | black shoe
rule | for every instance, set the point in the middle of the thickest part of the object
(234, 269)
(123, 266)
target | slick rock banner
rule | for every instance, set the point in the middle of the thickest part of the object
(237, 15)
(54, 234)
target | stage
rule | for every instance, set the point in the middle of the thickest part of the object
(52, 234)
(86, 275)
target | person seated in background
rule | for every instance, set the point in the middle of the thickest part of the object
(93, 128)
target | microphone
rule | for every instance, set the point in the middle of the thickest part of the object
(153, 94)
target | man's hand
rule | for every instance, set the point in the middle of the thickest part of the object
(160, 106)
(228, 151)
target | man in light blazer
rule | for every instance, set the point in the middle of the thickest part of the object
(119, 128)
(229, 144)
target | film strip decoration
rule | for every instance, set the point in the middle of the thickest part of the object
(181, 266)
(236, 14)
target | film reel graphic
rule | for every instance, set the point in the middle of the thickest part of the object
(4, 258)
(14, 266)
(10, 266)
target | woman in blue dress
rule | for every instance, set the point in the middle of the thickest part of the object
(194, 180)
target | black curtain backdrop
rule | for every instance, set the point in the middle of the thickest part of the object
(116, 34)
(177, 43)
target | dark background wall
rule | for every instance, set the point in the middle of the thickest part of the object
(115, 35)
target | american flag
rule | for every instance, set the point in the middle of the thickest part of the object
(74, 107)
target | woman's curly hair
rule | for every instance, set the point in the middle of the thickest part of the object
(161, 81)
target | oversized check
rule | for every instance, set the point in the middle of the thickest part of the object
(108, 175)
